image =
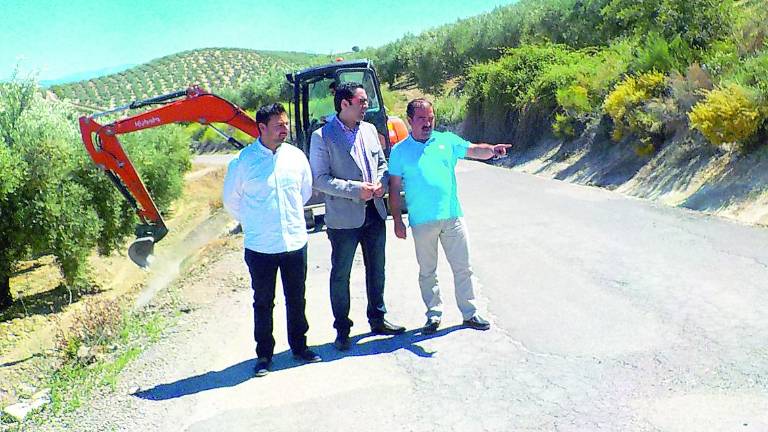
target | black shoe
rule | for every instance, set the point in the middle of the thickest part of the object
(262, 367)
(386, 328)
(477, 323)
(431, 326)
(342, 343)
(307, 356)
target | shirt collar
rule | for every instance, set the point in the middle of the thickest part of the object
(430, 139)
(264, 149)
(345, 128)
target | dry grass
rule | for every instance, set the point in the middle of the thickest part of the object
(98, 321)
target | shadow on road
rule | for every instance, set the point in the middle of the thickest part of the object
(243, 371)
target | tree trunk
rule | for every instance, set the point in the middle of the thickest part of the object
(5, 292)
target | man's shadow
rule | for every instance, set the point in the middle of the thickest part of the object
(243, 371)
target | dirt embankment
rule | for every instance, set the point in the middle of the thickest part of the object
(684, 170)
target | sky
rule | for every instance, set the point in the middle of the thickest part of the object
(55, 38)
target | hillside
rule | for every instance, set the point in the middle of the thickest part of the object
(212, 68)
(664, 99)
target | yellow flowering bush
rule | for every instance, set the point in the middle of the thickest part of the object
(626, 102)
(728, 114)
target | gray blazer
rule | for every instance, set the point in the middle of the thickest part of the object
(338, 175)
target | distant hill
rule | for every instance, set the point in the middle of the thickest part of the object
(86, 75)
(213, 69)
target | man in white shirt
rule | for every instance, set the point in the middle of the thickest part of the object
(265, 189)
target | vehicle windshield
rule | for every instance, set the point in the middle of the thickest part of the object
(320, 104)
(321, 101)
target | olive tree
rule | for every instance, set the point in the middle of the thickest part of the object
(54, 200)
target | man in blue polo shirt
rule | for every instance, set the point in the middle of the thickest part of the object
(425, 164)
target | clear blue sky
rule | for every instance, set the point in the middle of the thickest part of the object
(56, 38)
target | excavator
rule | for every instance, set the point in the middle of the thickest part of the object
(311, 106)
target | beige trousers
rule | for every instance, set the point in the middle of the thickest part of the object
(452, 234)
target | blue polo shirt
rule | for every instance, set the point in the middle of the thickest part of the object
(428, 173)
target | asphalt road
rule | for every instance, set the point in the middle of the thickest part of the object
(608, 314)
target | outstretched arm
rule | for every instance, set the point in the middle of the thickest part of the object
(487, 151)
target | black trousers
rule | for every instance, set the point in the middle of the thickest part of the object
(372, 237)
(293, 273)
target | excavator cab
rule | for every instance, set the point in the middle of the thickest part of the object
(313, 106)
(312, 103)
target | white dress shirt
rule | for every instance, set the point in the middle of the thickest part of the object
(266, 193)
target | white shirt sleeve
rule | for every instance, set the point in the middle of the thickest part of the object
(233, 190)
(306, 179)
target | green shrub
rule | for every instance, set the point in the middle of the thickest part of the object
(753, 72)
(575, 98)
(567, 68)
(657, 54)
(697, 22)
(429, 68)
(449, 110)
(751, 34)
(564, 126)
(519, 78)
(602, 69)
(552, 77)
(232, 95)
(576, 107)
(728, 114)
(720, 57)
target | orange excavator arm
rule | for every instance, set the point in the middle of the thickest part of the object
(190, 105)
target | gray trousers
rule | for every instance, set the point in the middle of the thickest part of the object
(452, 234)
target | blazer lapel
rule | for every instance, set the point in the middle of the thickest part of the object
(368, 153)
(340, 139)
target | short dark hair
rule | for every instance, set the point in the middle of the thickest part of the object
(266, 112)
(416, 104)
(346, 91)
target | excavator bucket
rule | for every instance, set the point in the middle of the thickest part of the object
(141, 251)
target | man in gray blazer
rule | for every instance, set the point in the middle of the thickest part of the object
(349, 167)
